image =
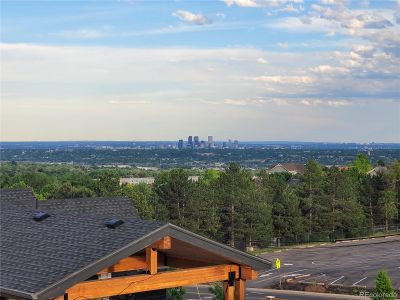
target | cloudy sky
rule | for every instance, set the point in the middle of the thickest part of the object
(323, 70)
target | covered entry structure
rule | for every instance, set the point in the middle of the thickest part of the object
(100, 248)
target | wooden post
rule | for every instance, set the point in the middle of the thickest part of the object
(151, 260)
(240, 289)
(229, 291)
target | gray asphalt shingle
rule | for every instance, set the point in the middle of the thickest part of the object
(35, 255)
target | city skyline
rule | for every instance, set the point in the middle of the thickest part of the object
(258, 70)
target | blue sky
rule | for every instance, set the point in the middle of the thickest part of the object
(324, 70)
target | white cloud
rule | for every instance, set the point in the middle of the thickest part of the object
(129, 102)
(242, 3)
(262, 60)
(198, 19)
(292, 9)
(85, 33)
(304, 24)
(285, 79)
(283, 45)
(333, 2)
(260, 3)
(338, 103)
(331, 103)
(327, 69)
(352, 19)
(236, 102)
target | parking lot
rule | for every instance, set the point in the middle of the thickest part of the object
(351, 263)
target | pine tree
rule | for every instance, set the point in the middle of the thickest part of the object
(383, 287)
(234, 192)
(175, 192)
(313, 198)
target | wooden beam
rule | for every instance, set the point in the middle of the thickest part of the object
(182, 263)
(140, 283)
(127, 264)
(240, 289)
(164, 244)
(229, 291)
(248, 273)
(151, 260)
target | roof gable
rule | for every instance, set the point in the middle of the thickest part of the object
(35, 255)
(40, 260)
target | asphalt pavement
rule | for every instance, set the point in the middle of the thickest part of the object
(351, 263)
(201, 293)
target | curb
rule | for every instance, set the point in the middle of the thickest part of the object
(311, 294)
(342, 243)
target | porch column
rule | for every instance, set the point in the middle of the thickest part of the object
(240, 289)
(229, 291)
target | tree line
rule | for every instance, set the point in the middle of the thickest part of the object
(236, 207)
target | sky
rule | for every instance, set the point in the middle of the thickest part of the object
(289, 70)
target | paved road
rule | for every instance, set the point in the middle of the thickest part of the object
(348, 263)
(201, 293)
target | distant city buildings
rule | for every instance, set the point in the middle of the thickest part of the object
(190, 142)
(180, 144)
(194, 142)
(210, 141)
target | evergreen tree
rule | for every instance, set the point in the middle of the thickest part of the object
(174, 191)
(257, 216)
(394, 184)
(346, 214)
(205, 208)
(286, 214)
(383, 287)
(314, 203)
(233, 191)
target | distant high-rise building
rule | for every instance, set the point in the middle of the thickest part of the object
(190, 141)
(235, 144)
(180, 144)
(210, 141)
(196, 141)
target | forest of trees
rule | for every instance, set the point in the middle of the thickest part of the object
(234, 206)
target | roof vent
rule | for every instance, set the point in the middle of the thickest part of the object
(40, 216)
(114, 223)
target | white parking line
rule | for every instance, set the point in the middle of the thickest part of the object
(312, 278)
(282, 274)
(268, 271)
(337, 280)
(358, 281)
(265, 275)
(288, 264)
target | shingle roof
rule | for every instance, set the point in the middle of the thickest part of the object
(100, 206)
(40, 260)
(19, 197)
(35, 255)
